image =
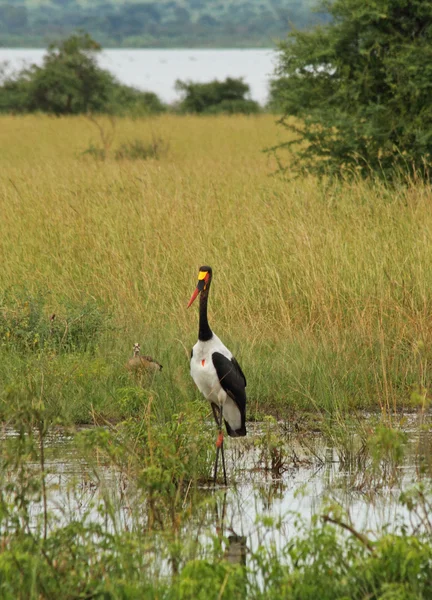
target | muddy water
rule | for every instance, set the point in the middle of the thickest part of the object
(302, 477)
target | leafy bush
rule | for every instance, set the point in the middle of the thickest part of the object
(69, 82)
(132, 102)
(25, 324)
(362, 87)
(228, 96)
(128, 101)
(139, 150)
(95, 152)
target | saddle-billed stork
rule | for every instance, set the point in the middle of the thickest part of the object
(217, 374)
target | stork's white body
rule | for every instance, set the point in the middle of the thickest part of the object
(207, 381)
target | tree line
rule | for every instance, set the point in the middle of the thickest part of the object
(165, 23)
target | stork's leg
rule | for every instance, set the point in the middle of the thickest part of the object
(216, 461)
(216, 416)
(216, 466)
(219, 443)
(217, 412)
(222, 449)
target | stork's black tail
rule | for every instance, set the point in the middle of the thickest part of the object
(236, 432)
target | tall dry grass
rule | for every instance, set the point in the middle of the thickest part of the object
(322, 290)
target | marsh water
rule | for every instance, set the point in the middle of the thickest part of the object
(156, 70)
(297, 478)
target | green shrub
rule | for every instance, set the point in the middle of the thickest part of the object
(68, 82)
(26, 324)
(204, 580)
(140, 150)
(95, 152)
(229, 96)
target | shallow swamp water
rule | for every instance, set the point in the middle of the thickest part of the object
(276, 476)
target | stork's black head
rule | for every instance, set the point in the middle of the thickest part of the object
(204, 280)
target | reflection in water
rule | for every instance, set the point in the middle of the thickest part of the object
(235, 551)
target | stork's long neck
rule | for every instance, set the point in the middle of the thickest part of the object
(204, 332)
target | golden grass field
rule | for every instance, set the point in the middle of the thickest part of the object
(322, 290)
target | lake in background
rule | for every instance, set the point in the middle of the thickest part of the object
(157, 70)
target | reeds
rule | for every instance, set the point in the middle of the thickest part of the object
(322, 290)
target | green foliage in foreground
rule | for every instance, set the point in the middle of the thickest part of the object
(81, 559)
(32, 567)
(60, 554)
(362, 87)
(70, 82)
(229, 96)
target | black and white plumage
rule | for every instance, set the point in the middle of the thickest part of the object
(220, 379)
(216, 372)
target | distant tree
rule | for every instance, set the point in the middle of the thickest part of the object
(69, 81)
(137, 18)
(362, 88)
(216, 96)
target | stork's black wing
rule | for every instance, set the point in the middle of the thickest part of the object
(233, 381)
